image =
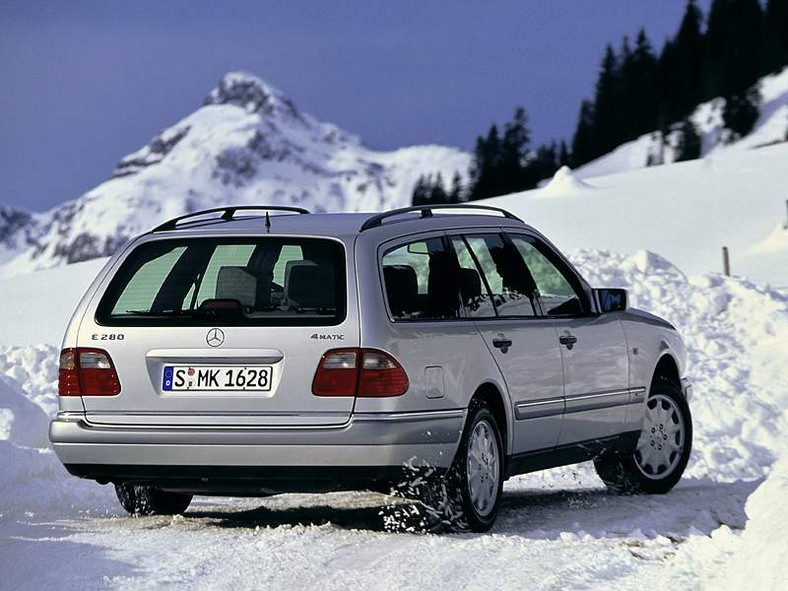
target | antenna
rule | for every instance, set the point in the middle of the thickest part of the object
(267, 222)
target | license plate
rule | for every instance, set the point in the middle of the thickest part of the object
(180, 378)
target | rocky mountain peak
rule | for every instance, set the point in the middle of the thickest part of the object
(251, 93)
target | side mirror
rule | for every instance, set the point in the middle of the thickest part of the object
(611, 299)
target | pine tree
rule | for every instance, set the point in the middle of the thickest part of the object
(564, 157)
(541, 165)
(485, 166)
(514, 149)
(626, 99)
(417, 197)
(742, 59)
(456, 192)
(741, 112)
(689, 145)
(438, 192)
(774, 52)
(606, 103)
(688, 63)
(667, 88)
(583, 141)
(716, 48)
(642, 80)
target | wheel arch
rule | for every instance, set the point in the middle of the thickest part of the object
(496, 401)
(667, 368)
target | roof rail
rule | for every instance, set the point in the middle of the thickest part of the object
(426, 212)
(227, 214)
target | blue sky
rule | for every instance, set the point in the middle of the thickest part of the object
(84, 83)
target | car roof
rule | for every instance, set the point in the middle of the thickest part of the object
(335, 224)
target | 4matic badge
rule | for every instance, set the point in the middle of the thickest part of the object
(324, 336)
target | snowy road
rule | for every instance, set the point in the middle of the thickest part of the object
(545, 538)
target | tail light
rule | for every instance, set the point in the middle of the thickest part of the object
(366, 373)
(87, 372)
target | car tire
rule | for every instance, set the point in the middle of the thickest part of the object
(478, 469)
(139, 499)
(662, 451)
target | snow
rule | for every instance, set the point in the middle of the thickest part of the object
(35, 307)
(558, 528)
(564, 181)
(686, 212)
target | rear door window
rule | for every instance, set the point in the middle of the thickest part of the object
(421, 281)
(253, 281)
(493, 281)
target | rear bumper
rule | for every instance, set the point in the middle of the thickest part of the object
(369, 448)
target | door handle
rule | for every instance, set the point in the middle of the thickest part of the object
(502, 343)
(568, 340)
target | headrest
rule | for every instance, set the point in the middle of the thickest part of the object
(238, 284)
(311, 285)
(470, 285)
(402, 288)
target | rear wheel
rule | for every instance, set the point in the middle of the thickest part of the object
(138, 499)
(662, 450)
(478, 469)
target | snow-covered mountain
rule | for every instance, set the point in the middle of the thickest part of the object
(248, 144)
(770, 128)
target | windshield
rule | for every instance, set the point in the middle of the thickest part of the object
(238, 281)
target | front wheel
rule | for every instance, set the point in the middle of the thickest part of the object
(138, 499)
(662, 450)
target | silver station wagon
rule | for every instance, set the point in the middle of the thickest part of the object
(259, 350)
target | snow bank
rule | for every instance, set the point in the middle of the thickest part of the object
(737, 342)
(32, 480)
(761, 553)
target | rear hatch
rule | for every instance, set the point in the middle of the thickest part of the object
(222, 331)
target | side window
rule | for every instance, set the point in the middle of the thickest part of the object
(556, 294)
(421, 281)
(502, 276)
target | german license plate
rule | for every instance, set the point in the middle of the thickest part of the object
(181, 378)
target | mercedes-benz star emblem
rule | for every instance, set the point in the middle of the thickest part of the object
(215, 337)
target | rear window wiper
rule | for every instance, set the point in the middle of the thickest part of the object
(171, 313)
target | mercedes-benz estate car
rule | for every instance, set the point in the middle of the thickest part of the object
(258, 350)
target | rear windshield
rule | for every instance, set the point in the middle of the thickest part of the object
(233, 282)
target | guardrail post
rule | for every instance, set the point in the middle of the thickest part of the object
(726, 262)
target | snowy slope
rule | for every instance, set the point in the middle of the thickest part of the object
(686, 212)
(248, 144)
(557, 529)
(36, 306)
(770, 128)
